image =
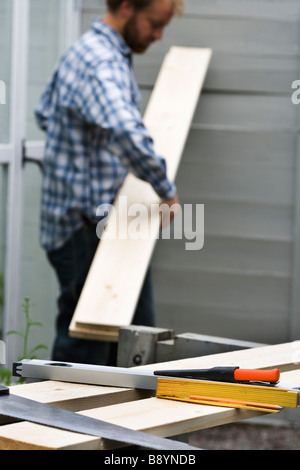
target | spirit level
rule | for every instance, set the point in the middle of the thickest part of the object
(222, 382)
(133, 377)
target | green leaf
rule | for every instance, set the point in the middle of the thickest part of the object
(13, 332)
(35, 323)
(37, 348)
(5, 376)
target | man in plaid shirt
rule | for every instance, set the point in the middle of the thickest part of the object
(94, 136)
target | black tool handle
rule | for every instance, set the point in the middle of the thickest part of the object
(4, 390)
(219, 374)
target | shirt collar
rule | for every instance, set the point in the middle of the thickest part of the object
(112, 35)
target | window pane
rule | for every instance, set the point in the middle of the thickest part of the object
(5, 54)
(46, 39)
(45, 47)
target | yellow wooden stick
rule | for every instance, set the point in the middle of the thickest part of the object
(183, 389)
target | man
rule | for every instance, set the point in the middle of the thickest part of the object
(95, 136)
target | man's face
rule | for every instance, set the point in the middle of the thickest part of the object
(147, 26)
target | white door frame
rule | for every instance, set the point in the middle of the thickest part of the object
(20, 32)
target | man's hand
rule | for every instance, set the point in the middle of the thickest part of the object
(169, 209)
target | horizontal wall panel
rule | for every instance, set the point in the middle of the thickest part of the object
(226, 254)
(229, 290)
(245, 220)
(241, 112)
(251, 73)
(261, 148)
(249, 112)
(242, 35)
(254, 9)
(231, 72)
(251, 9)
(242, 182)
(244, 324)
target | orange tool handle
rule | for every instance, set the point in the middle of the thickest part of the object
(248, 375)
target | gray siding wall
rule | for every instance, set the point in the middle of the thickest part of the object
(242, 162)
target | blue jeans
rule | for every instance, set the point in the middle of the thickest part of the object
(71, 264)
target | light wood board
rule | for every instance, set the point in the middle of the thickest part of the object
(157, 416)
(115, 279)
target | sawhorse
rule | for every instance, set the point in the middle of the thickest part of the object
(140, 345)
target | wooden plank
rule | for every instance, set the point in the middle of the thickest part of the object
(157, 416)
(77, 397)
(116, 276)
(28, 436)
(285, 357)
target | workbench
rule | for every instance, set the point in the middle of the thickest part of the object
(140, 410)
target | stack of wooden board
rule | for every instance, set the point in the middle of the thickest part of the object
(113, 285)
(137, 410)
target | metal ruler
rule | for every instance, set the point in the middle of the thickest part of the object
(86, 374)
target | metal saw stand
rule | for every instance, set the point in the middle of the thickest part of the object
(140, 345)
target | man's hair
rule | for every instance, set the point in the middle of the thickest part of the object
(114, 5)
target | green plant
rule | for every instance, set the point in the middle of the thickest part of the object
(5, 374)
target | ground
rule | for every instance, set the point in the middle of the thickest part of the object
(247, 437)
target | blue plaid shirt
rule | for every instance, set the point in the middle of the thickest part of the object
(94, 134)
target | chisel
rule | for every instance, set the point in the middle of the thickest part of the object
(225, 374)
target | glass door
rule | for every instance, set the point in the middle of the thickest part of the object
(53, 25)
(8, 137)
(33, 34)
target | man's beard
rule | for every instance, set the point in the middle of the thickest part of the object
(131, 36)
